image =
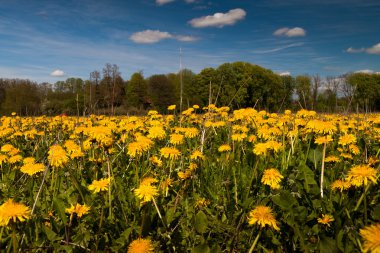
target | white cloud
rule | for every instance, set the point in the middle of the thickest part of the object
(219, 19)
(290, 32)
(286, 73)
(162, 2)
(374, 49)
(149, 36)
(153, 36)
(355, 50)
(365, 71)
(57, 73)
(186, 38)
(278, 48)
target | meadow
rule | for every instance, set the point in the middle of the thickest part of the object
(206, 180)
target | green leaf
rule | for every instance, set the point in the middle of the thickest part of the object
(60, 208)
(285, 200)
(327, 245)
(200, 222)
(202, 248)
(376, 213)
(339, 240)
(51, 235)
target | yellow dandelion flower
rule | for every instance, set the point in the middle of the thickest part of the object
(78, 209)
(260, 149)
(156, 161)
(135, 149)
(146, 192)
(32, 168)
(148, 181)
(141, 246)
(183, 175)
(15, 159)
(326, 219)
(171, 107)
(361, 174)
(176, 139)
(99, 185)
(73, 150)
(340, 185)
(272, 177)
(347, 139)
(262, 215)
(332, 159)
(14, 211)
(224, 148)
(346, 156)
(354, 149)
(323, 140)
(57, 156)
(29, 160)
(371, 236)
(156, 132)
(197, 155)
(171, 153)
(3, 159)
(191, 132)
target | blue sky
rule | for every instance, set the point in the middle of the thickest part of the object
(53, 40)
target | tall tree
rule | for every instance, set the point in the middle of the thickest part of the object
(303, 90)
(161, 92)
(136, 92)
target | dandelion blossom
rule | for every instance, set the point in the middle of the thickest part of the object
(79, 209)
(146, 191)
(171, 153)
(361, 174)
(262, 215)
(99, 185)
(272, 177)
(326, 219)
(340, 185)
(371, 236)
(11, 210)
(32, 168)
(224, 148)
(141, 246)
(57, 156)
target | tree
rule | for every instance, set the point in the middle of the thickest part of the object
(161, 92)
(367, 90)
(303, 85)
(136, 92)
(316, 84)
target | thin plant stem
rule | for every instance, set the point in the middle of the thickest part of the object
(255, 242)
(323, 168)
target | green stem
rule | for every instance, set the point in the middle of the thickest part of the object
(361, 198)
(323, 168)
(255, 242)
(158, 212)
(14, 238)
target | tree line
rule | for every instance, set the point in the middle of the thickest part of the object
(237, 85)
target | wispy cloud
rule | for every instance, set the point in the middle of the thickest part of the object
(57, 73)
(154, 36)
(285, 73)
(149, 36)
(365, 71)
(375, 49)
(278, 48)
(162, 2)
(290, 32)
(219, 19)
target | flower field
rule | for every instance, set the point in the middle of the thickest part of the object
(208, 180)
